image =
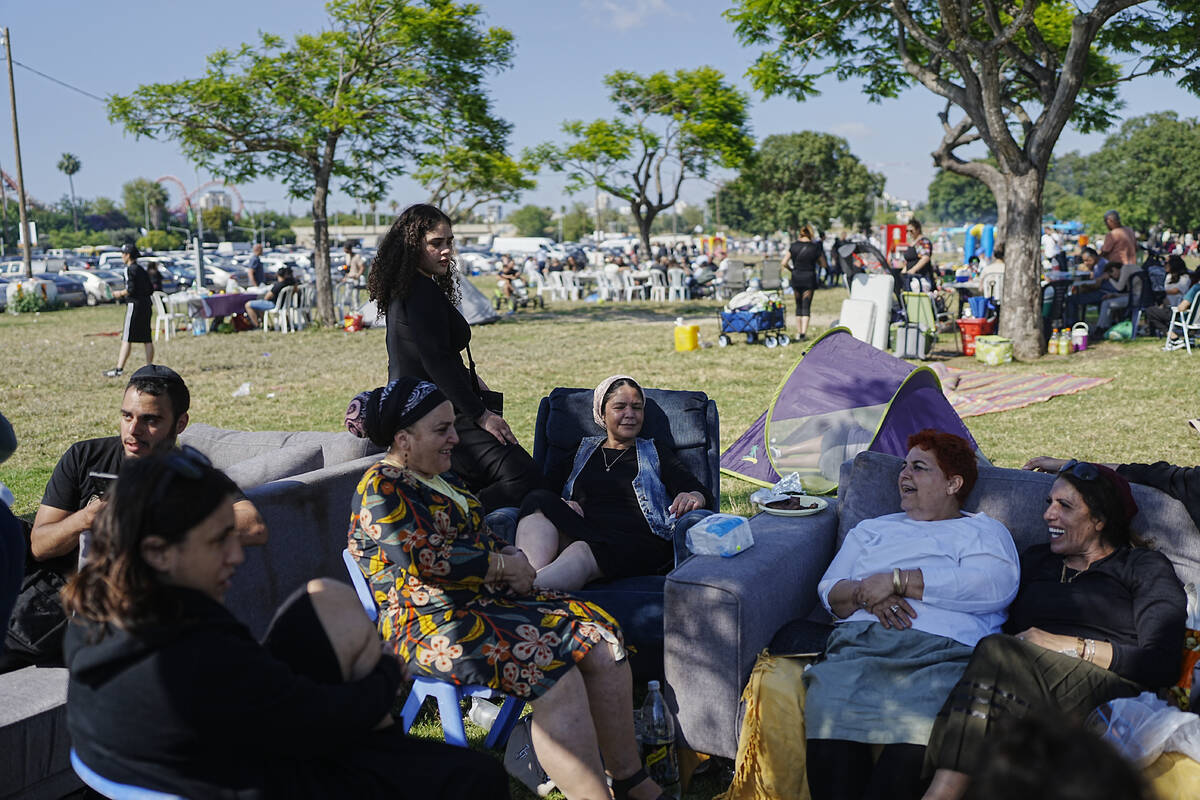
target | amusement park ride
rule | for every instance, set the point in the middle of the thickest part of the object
(189, 198)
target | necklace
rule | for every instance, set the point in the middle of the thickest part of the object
(608, 465)
(1062, 578)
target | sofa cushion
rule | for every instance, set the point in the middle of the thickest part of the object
(225, 448)
(1017, 498)
(337, 447)
(637, 604)
(678, 419)
(34, 743)
(282, 462)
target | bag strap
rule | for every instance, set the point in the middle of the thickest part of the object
(474, 374)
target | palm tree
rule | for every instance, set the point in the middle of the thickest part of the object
(69, 165)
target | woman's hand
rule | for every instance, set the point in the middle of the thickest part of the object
(1050, 641)
(685, 502)
(495, 425)
(1044, 464)
(873, 590)
(894, 611)
(518, 573)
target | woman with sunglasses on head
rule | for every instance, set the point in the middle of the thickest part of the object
(413, 284)
(168, 691)
(1098, 616)
(457, 603)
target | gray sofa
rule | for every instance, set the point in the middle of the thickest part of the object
(302, 484)
(721, 613)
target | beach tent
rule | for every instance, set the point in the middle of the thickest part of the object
(474, 306)
(843, 397)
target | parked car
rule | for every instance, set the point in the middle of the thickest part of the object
(98, 289)
(3, 293)
(70, 290)
(115, 278)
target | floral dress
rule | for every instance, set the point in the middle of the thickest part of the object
(426, 562)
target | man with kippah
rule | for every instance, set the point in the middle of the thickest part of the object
(138, 291)
(154, 411)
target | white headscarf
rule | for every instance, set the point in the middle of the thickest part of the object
(598, 396)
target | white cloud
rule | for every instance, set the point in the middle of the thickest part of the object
(625, 15)
(852, 130)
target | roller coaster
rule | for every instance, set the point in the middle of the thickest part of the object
(189, 199)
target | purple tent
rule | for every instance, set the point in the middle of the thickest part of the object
(844, 396)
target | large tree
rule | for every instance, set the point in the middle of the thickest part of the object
(145, 200)
(462, 177)
(958, 199)
(68, 165)
(360, 102)
(1011, 72)
(667, 128)
(532, 220)
(799, 178)
(1151, 164)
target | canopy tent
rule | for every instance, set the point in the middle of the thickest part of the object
(843, 397)
(474, 306)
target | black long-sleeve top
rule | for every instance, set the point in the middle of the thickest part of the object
(1130, 598)
(199, 708)
(425, 336)
(1182, 483)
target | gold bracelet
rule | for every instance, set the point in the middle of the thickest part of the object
(1081, 648)
(896, 581)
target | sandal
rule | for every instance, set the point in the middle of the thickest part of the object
(621, 787)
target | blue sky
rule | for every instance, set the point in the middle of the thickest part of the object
(564, 48)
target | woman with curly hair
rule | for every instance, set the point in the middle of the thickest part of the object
(413, 284)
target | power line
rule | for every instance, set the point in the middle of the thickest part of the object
(60, 83)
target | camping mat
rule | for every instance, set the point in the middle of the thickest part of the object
(974, 393)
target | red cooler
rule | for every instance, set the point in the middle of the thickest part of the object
(970, 327)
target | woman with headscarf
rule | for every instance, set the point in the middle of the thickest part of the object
(615, 512)
(1097, 617)
(458, 604)
(413, 284)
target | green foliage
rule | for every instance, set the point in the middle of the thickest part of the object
(801, 177)
(668, 127)
(216, 221)
(159, 240)
(533, 220)
(385, 83)
(577, 223)
(460, 178)
(30, 302)
(142, 197)
(1151, 164)
(958, 199)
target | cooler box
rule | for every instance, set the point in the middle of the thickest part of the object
(910, 340)
(993, 350)
(970, 328)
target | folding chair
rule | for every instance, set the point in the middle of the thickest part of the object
(1187, 324)
(449, 696)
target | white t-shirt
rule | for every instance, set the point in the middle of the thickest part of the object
(1050, 245)
(969, 564)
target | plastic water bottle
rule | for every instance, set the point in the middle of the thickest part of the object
(1052, 344)
(658, 742)
(1064, 343)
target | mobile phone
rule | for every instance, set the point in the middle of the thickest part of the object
(107, 477)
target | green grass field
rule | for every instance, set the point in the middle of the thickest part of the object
(54, 393)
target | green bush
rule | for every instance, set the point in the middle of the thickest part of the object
(159, 240)
(26, 302)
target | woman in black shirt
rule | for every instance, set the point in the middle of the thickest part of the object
(614, 511)
(413, 283)
(1096, 618)
(802, 259)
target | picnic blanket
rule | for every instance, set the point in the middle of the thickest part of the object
(974, 393)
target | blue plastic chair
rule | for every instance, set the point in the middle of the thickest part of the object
(112, 789)
(449, 696)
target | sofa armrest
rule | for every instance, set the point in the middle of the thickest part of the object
(720, 613)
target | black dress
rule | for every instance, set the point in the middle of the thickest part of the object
(425, 337)
(804, 259)
(138, 312)
(612, 523)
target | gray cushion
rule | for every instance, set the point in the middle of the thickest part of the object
(282, 462)
(337, 447)
(226, 448)
(34, 744)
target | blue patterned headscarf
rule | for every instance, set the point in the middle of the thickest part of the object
(379, 413)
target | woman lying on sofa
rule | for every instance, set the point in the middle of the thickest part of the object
(169, 692)
(457, 603)
(614, 514)
(1097, 617)
(912, 592)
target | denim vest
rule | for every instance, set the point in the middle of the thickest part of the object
(647, 485)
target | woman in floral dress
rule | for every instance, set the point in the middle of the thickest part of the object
(457, 602)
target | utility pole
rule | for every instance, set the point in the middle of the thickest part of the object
(12, 100)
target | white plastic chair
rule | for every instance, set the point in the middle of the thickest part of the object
(606, 287)
(658, 286)
(164, 319)
(303, 302)
(534, 278)
(1186, 324)
(281, 314)
(632, 287)
(676, 288)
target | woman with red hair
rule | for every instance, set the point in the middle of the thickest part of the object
(911, 594)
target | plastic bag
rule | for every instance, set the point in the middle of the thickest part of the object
(1121, 332)
(1144, 727)
(789, 484)
(720, 535)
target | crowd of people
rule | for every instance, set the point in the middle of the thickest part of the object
(945, 636)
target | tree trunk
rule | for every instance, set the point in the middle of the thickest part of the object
(1021, 317)
(321, 251)
(644, 223)
(74, 209)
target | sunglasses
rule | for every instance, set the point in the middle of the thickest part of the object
(1084, 470)
(185, 462)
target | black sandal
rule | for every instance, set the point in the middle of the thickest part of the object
(622, 786)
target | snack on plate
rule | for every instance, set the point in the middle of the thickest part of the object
(796, 503)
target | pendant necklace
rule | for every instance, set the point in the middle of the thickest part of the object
(607, 464)
(1063, 577)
